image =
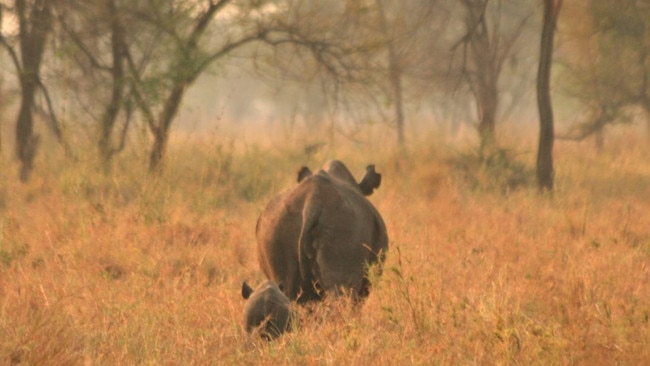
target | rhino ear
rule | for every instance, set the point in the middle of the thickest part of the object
(371, 181)
(246, 290)
(303, 173)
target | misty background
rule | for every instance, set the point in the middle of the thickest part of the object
(97, 78)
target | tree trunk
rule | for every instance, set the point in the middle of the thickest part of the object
(157, 152)
(488, 103)
(1, 109)
(545, 173)
(161, 133)
(105, 144)
(26, 141)
(394, 75)
(646, 109)
(483, 76)
(396, 83)
(182, 81)
(33, 34)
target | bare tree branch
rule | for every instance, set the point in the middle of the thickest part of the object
(74, 36)
(7, 46)
(472, 29)
(125, 128)
(139, 93)
(509, 43)
(54, 121)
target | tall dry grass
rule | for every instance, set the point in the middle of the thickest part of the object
(135, 270)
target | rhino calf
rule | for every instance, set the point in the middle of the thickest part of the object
(267, 311)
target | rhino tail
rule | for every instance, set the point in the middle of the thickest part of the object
(306, 249)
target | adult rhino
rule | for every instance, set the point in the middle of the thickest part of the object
(320, 236)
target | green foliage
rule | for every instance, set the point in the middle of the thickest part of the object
(406, 286)
(12, 247)
(10, 251)
(624, 18)
(496, 170)
(609, 66)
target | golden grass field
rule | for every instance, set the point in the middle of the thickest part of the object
(139, 270)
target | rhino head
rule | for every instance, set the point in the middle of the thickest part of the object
(267, 311)
(338, 170)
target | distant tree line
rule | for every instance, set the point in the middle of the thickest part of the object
(130, 63)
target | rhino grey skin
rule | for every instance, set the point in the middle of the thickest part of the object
(320, 236)
(267, 311)
(335, 168)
